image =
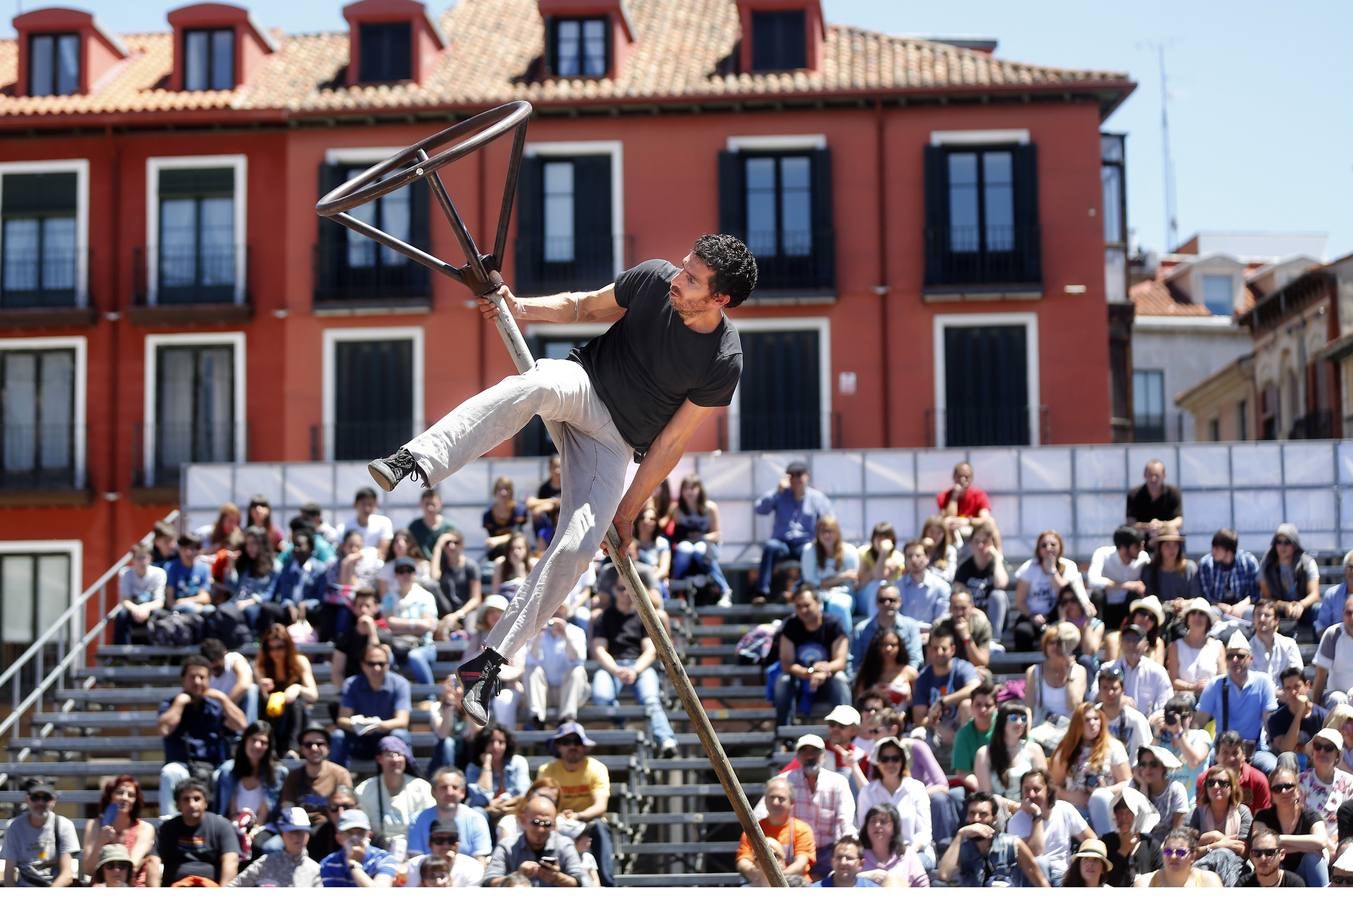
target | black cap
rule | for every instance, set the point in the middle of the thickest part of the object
(1135, 630)
(406, 564)
(797, 467)
(39, 785)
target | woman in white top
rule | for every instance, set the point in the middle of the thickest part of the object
(1089, 761)
(829, 566)
(942, 546)
(1038, 582)
(392, 798)
(1195, 659)
(1056, 686)
(1000, 764)
(894, 786)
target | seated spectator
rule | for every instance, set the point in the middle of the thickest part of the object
(140, 592)
(1154, 504)
(695, 537)
(982, 856)
(1146, 683)
(372, 705)
(187, 577)
(356, 567)
(1196, 658)
(1130, 847)
(964, 506)
(113, 867)
(1241, 700)
(302, 581)
(251, 782)
(1340, 718)
(1149, 617)
(1289, 575)
(1298, 717)
(888, 860)
(259, 515)
(880, 563)
(585, 790)
(985, 575)
(1270, 652)
(1331, 608)
(822, 798)
(813, 650)
(411, 616)
(311, 784)
(462, 871)
(448, 793)
(511, 567)
(40, 845)
(289, 866)
(1115, 575)
(925, 595)
(892, 786)
(252, 580)
(1089, 768)
(499, 775)
(1126, 724)
(1229, 576)
(121, 825)
(975, 734)
(847, 858)
(544, 506)
(403, 546)
(1055, 687)
(795, 507)
(1001, 764)
(843, 755)
(1324, 787)
(1037, 584)
(1222, 822)
(232, 675)
(356, 862)
(395, 796)
(625, 656)
(1060, 824)
(215, 536)
(1089, 628)
(196, 843)
(830, 566)
(503, 518)
(887, 617)
(792, 834)
(1254, 787)
(651, 548)
(162, 547)
(1334, 660)
(885, 668)
(1266, 856)
(941, 546)
(972, 630)
(1301, 832)
(1171, 575)
(287, 682)
(376, 530)
(365, 629)
(459, 578)
(539, 854)
(1151, 777)
(325, 838)
(429, 527)
(943, 690)
(195, 725)
(1090, 866)
(1179, 852)
(556, 672)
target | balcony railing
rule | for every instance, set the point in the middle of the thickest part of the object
(189, 276)
(794, 260)
(338, 281)
(49, 282)
(582, 262)
(39, 457)
(986, 426)
(161, 449)
(1315, 425)
(990, 258)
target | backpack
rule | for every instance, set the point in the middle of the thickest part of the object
(168, 628)
(757, 647)
(228, 625)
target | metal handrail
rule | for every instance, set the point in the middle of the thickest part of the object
(58, 631)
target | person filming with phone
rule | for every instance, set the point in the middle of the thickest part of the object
(540, 853)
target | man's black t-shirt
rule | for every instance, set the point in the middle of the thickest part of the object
(195, 851)
(978, 581)
(812, 646)
(1281, 720)
(648, 363)
(1289, 880)
(1141, 508)
(624, 633)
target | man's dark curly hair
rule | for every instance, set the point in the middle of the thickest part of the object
(733, 264)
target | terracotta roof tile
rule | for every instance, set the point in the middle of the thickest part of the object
(1154, 297)
(682, 49)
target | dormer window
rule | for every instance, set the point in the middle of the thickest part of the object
(778, 40)
(209, 59)
(1219, 294)
(53, 65)
(579, 47)
(387, 52)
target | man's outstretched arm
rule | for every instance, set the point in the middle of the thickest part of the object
(565, 308)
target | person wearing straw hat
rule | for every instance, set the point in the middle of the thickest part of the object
(1195, 658)
(289, 867)
(1241, 701)
(115, 867)
(1090, 866)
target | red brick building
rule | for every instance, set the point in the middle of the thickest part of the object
(928, 216)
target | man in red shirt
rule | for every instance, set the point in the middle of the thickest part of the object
(962, 504)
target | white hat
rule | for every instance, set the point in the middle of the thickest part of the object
(1238, 641)
(495, 601)
(1198, 604)
(1163, 756)
(809, 740)
(1145, 816)
(844, 715)
(1332, 735)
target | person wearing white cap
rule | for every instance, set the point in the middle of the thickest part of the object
(1334, 660)
(1151, 777)
(823, 799)
(1241, 700)
(1324, 786)
(289, 867)
(1195, 658)
(843, 724)
(356, 863)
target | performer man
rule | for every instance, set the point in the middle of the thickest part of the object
(642, 388)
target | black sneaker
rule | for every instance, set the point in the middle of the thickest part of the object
(479, 678)
(391, 470)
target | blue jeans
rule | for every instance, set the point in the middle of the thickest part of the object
(419, 662)
(603, 850)
(701, 555)
(606, 689)
(790, 690)
(345, 745)
(838, 605)
(1313, 870)
(996, 605)
(443, 754)
(772, 553)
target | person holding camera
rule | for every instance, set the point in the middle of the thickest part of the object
(356, 863)
(540, 853)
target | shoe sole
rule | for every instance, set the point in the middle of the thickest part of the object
(382, 475)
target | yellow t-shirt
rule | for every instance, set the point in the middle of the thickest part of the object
(577, 788)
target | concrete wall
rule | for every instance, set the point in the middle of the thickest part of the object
(1187, 354)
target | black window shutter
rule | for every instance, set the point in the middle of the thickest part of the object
(824, 235)
(196, 182)
(732, 194)
(39, 194)
(593, 237)
(331, 239)
(530, 223)
(552, 47)
(936, 213)
(1027, 237)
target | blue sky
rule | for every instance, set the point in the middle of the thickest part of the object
(1261, 96)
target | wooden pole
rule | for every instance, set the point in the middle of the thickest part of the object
(769, 862)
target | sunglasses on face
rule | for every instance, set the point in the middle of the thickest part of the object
(569, 743)
(543, 823)
(1017, 718)
(1176, 852)
(889, 601)
(1218, 782)
(1323, 747)
(1263, 852)
(1284, 788)
(342, 808)
(40, 798)
(890, 759)
(377, 664)
(310, 745)
(1341, 880)
(441, 839)
(1232, 657)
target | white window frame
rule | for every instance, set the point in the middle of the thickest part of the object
(236, 341)
(156, 164)
(823, 326)
(616, 151)
(73, 549)
(958, 320)
(79, 344)
(52, 167)
(979, 136)
(772, 142)
(332, 338)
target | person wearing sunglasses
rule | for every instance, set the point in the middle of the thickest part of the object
(40, 846)
(1324, 786)
(892, 785)
(463, 870)
(1179, 852)
(374, 704)
(1289, 574)
(310, 784)
(325, 838)
(1223, 824)
(540, 853)
(1001, 764)
(1241, 700)
(1266, 856)
(1301, 832)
